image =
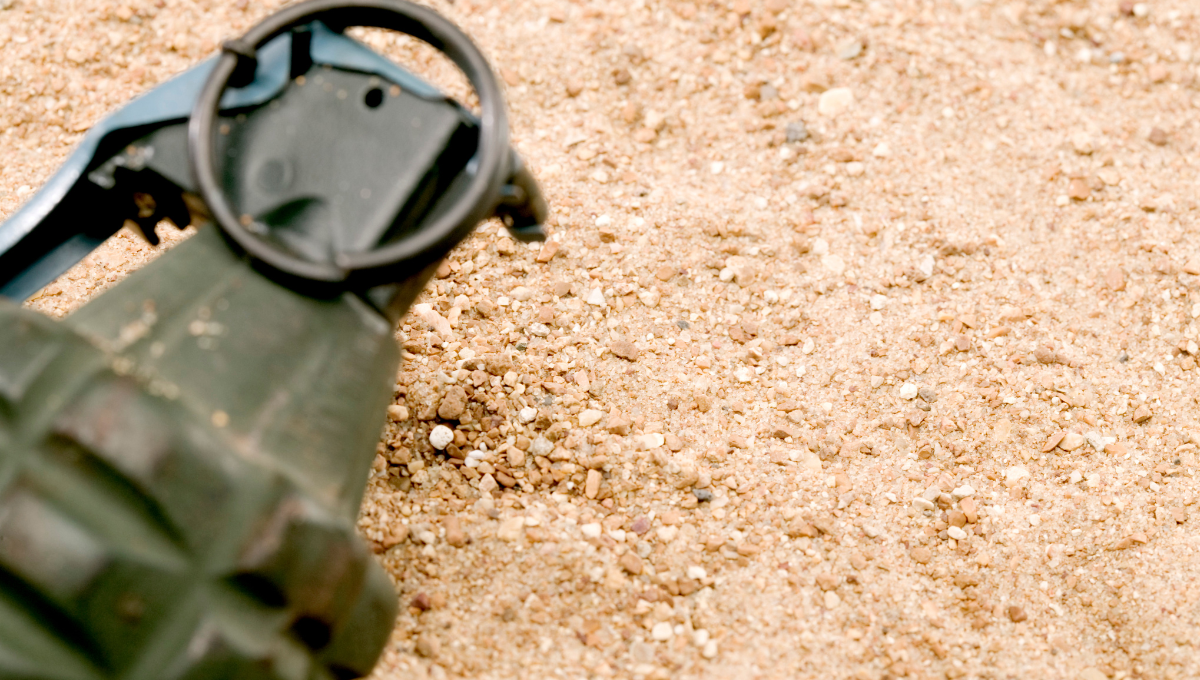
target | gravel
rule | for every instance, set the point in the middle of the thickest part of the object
(1024, 213)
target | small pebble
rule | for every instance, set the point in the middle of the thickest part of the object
(440, 437)
(662, 631)
(624, 349)
(835, 102)
(908, 391)
(590, 417)
(796, 131)
(1071, 441)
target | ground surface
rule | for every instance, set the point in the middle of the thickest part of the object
(794, 340)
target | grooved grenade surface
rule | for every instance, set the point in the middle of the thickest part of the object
(158, 516)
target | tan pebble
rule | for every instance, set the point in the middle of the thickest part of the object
(1158, 137)
(832, 600)
(969, 509)
(593, 483)
(510, 529)
(962, 343)
(1092, 673)
(1114, 278)
(397, 413)
(549, 250)
(675, 444)
(574, 87)
(631, 563)
(1192, 266)
(1071, 441)
(921, 555)
(747, 549)
(1078, 190)
(828, 581)
(455, 535)
(1141, 414)
(799, 528)
(427, 646)
(737, 441)
(516, 457)
(488, 484)
(957, 518)
(1053, 441)
(664, 273)
(1115, 449)
(454, 404)
(590, 417)
(1139, 537)
(1017, 614)
(624, 349)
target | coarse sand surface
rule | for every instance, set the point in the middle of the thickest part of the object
(864, 346)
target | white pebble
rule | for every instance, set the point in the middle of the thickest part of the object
(527, 414)
(964, 491)
(591, 530)
(835, 101)
(662, 631)
(882, 150)
(1015, 474)
(710, 650)
(923, 504)
(834, 264)
(1099, 441)
(700, 637)
(603, 221)
(743, 374)
(440, 437)
(908, 391)
(541, 447)
(696, 572)
(956, 533)
(539, 329)
(878, 301)
(595, 298)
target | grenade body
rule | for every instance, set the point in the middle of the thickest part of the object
(181, 464)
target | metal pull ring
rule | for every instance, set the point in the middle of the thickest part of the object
(489, 169)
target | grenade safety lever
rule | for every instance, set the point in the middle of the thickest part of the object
(183, 458)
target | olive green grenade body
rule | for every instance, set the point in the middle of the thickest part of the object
(181, 464)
